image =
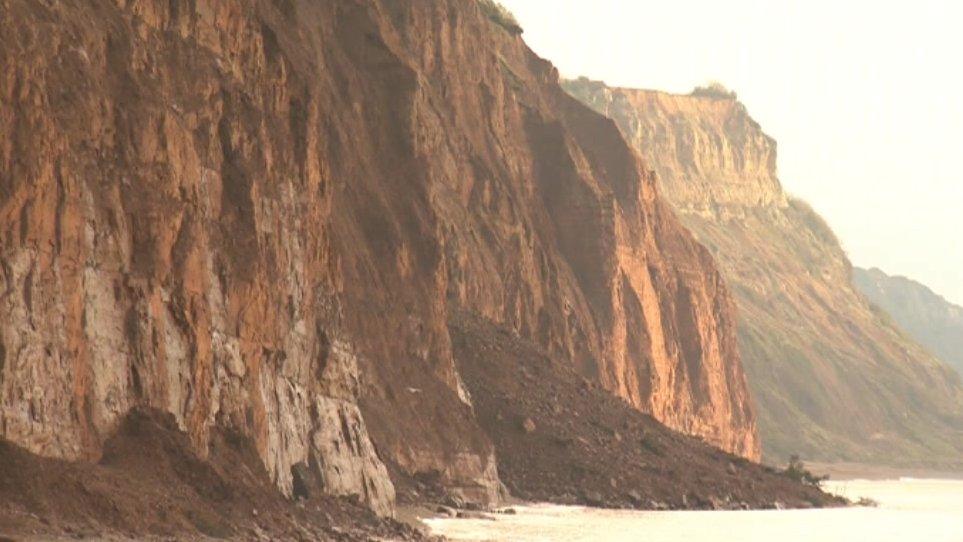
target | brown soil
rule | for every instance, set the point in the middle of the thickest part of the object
(149, 485)
(560, 438)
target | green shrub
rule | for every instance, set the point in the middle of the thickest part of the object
(796, 470)
(500, 15)
(715, 90)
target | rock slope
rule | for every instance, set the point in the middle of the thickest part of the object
(831, 377)
(556, 432)
(926, 316)
(257, 215)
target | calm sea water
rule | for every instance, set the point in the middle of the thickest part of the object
(910, 510)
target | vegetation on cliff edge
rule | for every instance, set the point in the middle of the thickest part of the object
(501, 16)
(715, 90)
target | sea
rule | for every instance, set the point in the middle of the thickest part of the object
(908, 510)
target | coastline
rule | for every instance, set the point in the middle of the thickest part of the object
(863, 471)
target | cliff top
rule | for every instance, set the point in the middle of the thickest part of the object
(706, 149)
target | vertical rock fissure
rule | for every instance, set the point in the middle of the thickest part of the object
(3, 361)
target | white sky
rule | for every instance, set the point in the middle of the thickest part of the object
(865, 98)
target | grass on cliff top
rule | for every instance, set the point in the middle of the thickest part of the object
(715, 90)
(501, 16)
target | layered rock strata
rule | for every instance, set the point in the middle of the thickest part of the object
(832, 377)
(258, 214)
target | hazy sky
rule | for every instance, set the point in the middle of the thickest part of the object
(864, 97)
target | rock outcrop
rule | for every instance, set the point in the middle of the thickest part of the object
(831, 377)
(926, 316)
(257, 215)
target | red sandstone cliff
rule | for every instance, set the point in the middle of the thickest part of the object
(259, 215)
(834, 379)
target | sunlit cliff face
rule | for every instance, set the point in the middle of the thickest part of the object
(832, 377)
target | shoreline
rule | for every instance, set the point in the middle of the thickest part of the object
(416, 514)
(861, 471)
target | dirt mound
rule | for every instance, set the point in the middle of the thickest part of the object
(560, 438)
(149, 484)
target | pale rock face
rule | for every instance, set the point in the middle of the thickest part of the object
(345, 456)
(709, 155)
(833, 378)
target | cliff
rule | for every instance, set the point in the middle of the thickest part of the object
(926, 316)
(832, 378)
(257, 215)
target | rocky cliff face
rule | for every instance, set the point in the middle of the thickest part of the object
(258, 214)
(831, 377)
(926, 316)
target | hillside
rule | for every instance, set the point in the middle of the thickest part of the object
(831, 377)
(926, 316)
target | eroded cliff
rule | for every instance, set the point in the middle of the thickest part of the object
(258, 215)
(832, 378)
